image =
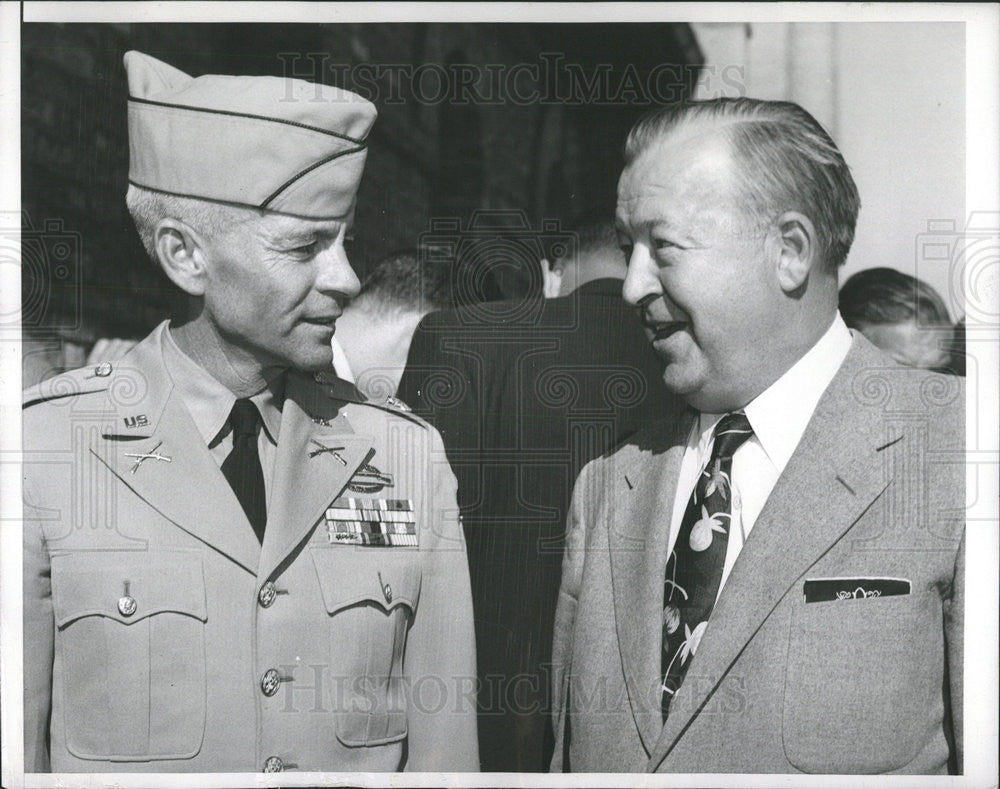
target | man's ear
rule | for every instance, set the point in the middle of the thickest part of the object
(798, 250)
(181, 253)
(551, 279)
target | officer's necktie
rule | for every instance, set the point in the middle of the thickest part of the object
(242, 466)
(694, 567)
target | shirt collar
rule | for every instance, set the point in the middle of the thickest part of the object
(209, 402)
(341, 366)
(779, 415)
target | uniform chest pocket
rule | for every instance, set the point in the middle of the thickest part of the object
(861, 682)
(370, 595)
(130, 653)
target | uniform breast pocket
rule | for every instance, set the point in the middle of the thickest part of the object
(130, 653)
(370, 595)
(861, 682)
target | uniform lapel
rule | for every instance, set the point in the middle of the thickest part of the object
(831, 479)
(638, 534)
(145, 418)
(306, 476)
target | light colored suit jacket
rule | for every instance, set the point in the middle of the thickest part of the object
(372, 646)
(875, 489)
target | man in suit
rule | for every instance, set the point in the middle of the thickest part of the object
(524, 393)
(773, 581)
(233, 561)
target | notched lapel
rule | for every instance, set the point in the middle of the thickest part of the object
(638, 533)
(184, 484)
(834, 475)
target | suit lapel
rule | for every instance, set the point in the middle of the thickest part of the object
(831, 479)
(638, 534)
(306, 477)
(145, 417)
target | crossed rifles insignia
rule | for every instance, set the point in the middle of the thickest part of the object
(143, 456)
(367, 479)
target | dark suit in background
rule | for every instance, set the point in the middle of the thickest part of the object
(524, 395)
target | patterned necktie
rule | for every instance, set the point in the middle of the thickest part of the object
(242, 466)
(694, 567)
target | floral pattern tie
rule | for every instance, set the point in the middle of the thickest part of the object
(694, 567)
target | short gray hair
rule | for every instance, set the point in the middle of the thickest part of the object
(792, 163)
(147, 207)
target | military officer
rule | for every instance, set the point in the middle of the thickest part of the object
(233, 561)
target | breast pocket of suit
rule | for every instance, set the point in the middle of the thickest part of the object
(370, 596)
(863, 682)
(130, 652)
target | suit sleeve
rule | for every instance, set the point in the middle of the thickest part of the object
(565, 618)
(39, 629)
(954, 633)
(440, 661)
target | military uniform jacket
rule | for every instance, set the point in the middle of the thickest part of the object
(846, 681)
(161, 636)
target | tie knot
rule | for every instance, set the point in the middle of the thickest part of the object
(730, 433)
(244, 418)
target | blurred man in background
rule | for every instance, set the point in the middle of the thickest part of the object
(900, 314)
(524, 394)
(374, 333)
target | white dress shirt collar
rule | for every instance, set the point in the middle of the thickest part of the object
(341, 366)
(779, 415)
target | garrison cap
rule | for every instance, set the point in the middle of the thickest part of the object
(272, 143)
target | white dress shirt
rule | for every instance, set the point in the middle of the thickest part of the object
(778, 416)
(341, 366)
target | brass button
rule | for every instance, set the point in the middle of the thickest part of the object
(387, 591)
(269, 682)
(267, 594)
(126, 605)
(274, 764)
(103, 370)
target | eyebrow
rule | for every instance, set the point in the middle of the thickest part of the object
(301, 233)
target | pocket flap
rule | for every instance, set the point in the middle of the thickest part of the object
(92, 583)
(348, 575)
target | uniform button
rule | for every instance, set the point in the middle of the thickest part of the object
(269, 681)
(274, 764)
(387, 591)
(126, 605)
(267, 594)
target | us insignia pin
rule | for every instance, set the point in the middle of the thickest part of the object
(374, 522)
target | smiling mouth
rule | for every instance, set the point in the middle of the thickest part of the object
(328, 320)
(663, 330)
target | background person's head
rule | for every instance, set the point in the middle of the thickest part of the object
(594, 255)
(900, 314)
(377, 327)
(734, 215)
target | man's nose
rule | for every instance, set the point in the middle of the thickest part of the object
(335, 274)
(641, 280)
